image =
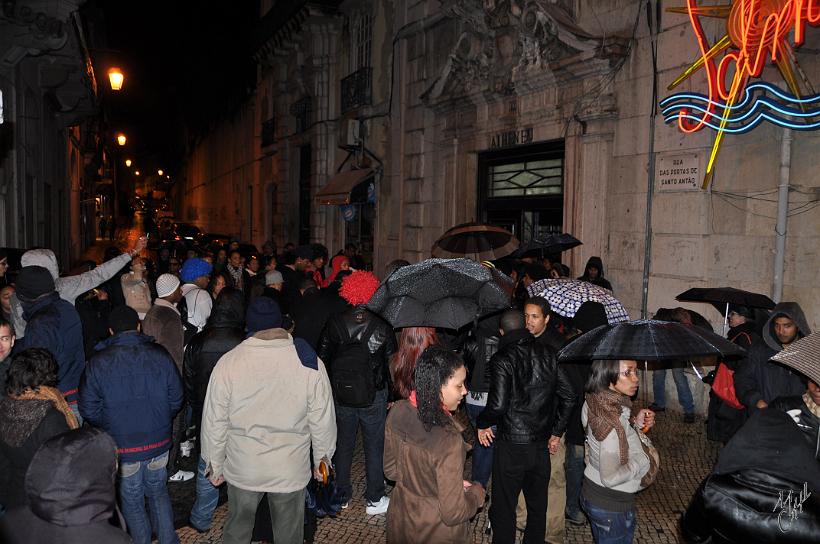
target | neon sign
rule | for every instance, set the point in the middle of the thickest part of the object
(756, 31)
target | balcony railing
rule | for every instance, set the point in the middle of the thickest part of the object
(356, 89)
(269, 132)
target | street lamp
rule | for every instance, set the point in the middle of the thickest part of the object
(128, 163)
(160, 172)
(115, 77)
(137, 173)
(121, 139)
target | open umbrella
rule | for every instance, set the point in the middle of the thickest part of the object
(803, 356)
(722, 297)
(566, 296)
(447, 293)
(648, 340)
(475, 240)
(548, 245)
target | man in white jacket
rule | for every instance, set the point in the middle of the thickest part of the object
(268, 401)
(70, 287)
(195, 275)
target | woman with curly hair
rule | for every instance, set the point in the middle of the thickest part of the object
(424, 453)
(412, 341)
(32, 412)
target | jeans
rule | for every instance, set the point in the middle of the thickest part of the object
(574, 466)
(682, 385)
(76, 409)
(482, 457)
(287, 513)
(516, 468)
(610, 527)
(147, 479)
(207, 498)
(372, 420)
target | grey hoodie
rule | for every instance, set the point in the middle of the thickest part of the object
(793, 311)
(69, 287)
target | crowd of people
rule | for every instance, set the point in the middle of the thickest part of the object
(264, 368)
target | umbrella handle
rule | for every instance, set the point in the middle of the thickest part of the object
(645, 429)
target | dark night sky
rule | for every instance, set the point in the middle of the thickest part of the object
(186, 64)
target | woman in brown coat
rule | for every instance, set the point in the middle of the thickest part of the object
(424, 454)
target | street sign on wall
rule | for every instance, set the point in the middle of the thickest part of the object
(680, 172)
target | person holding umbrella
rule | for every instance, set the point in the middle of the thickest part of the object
(619, 461)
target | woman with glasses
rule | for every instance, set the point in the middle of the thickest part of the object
(621, 461)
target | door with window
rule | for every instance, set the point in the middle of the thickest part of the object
(522, 189)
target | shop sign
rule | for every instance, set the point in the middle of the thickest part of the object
(511, 138)
(756, 32)
(678, 172)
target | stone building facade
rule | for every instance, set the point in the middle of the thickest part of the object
(537, 115)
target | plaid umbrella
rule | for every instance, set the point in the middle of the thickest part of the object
(566, 296)
(447, 293)
(648, 340)
(803, 356)
(475, 240)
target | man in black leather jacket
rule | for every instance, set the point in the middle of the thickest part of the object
(224, 331)
(358, 330)
(524, 380)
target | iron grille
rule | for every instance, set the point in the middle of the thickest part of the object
(356, 89)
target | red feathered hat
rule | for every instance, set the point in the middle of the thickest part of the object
(358, 287)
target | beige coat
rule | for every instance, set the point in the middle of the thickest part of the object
(262, 412)
(429, 504)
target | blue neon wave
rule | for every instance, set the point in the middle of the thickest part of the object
(747, 114)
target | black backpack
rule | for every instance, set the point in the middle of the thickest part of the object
(189, 330)
(351, 376)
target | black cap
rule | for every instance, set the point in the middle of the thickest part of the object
(123, 318)
(33, 282)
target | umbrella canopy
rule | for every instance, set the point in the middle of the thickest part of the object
(566, 296)
(647, 340)
(719, 297)
(447, 293)
(475, 240)
(803, 356)
(548, 245)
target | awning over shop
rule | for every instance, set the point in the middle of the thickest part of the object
(339, 188)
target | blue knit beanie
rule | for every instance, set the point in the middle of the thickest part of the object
(263, 313)
(194, 268)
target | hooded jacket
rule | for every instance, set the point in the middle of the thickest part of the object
(71, 496)
(757, 378)
(24, 425)
(225, 330)
(525, 380)
(600, 280)
(131, 389)
(55, 325)
(69, 287)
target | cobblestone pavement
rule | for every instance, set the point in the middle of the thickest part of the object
(686, 458)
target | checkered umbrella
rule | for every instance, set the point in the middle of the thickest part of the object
(566, 296)
(803, 356)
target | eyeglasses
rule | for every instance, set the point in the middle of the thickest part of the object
(629, 373)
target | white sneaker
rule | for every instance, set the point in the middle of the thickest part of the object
(375, 508)
(181, 476)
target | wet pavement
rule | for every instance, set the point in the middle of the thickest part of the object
(686, 458)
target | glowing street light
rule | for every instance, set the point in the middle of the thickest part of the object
(121, 139)
(115, 77)
(160, 172)
(137, 173)
(128, 163)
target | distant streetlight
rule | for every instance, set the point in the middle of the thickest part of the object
(121, 139)
(128, 163)
(115, 77)
(137, 173)
(160, 172)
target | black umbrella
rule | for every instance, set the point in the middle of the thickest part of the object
(648, 340)
(447, 293)
(548, 245)
(475, 240)
(722, 297)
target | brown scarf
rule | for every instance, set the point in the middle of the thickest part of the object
(604, 414)
(811, 405)
(52, 395)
